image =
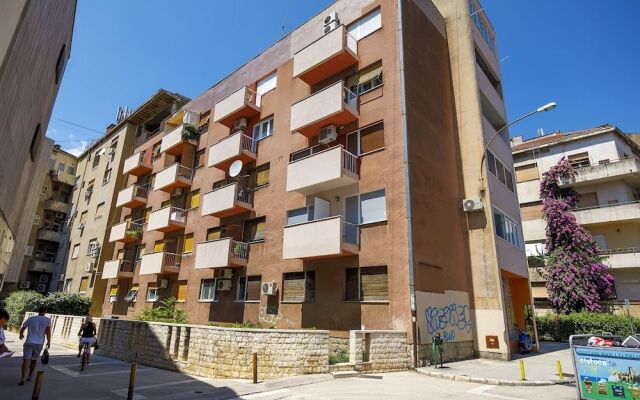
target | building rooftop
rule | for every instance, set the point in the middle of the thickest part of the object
(559, 137)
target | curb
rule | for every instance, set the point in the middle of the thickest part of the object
(494, 381)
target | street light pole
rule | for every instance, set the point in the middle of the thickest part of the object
(544, 108)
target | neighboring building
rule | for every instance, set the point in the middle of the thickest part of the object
(607, 166)
(325, 189)
(35, 43)
(40, 265)
(97, 179)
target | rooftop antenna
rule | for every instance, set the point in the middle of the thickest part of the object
(540, 132)
(122, 113)
(282, 26)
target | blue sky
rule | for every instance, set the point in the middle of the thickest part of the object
(584, 55)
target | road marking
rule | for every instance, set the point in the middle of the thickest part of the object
(93, 363)
(77, 374)
(125, 391)
(263, 394)
(480, 390)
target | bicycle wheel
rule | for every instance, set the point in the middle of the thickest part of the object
(83, 359)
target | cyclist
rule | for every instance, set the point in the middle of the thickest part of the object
(87, 336)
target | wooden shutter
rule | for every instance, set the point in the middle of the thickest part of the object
(579, 160)
(253, 287)
(194, 201)
(113, 291)
(214, 233)
(372, 138)
(531, 211)
(158, 246)
(293, 286)
(84, 284)
(182, 292)
(527, 172)
(588, 200)
(262, 175)
(374, 283)
(351, 292)
(188, 243)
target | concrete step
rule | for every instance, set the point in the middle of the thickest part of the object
(344, 374)
(346, 366)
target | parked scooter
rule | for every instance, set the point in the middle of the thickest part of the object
(525, 341)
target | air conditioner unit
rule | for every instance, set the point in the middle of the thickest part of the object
(330, 18)
(328, 134)
(89, 267)
(43, 279)
(41, 288)
(469, 205)
(25, 284)
(163, 283)
(240, 124)
(60, 215)
(269, 288)
(223, 285)
(330, 27)
(178, 192)
(226, 273)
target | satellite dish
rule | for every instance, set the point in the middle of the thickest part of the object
(235, 168)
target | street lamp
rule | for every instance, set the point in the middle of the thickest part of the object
(544, 108)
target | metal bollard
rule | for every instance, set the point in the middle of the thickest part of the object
(255, 367)
(132, 380)
(559, 366)
(37, 386)
(522, 375)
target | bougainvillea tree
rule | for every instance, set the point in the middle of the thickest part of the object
(577, 278)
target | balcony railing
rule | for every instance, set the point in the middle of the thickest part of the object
(604, 170)
(126, 231)
(603, 213)
(167, 219)
(49, 235)
(328, 55)
(237, 146)
(132, 196)
(175, 142)
(57, 206)
(321, 238)
(333, 105)
(318, 169)
(115, 269)
(227, 200)
(172, 177)
(136, 165)
(48, 266)
(161, 262)
(244, 102)
(622, 257)
(221, 253)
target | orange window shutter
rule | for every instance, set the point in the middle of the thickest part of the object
(182, 292)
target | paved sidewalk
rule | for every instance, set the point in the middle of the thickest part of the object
(540, 368)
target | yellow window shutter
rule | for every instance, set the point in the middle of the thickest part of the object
(147, 212)
(143, 250)
(195, 199)
(188, 243)
(158, 246)
(182, 292)
(84, 284)
(213, 234)
(263, 177)
(113, 291)
(260, 230)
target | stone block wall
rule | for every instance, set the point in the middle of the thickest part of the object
(451, 351)
(379, 351)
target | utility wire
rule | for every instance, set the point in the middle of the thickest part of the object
(78, 125)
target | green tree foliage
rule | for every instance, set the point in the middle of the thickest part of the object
(165, 312)
(23, 301)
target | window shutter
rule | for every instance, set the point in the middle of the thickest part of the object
(158, 246)
(530, 212)
(527, 172)
(253, 287)
(372, 138)
(351, 285)
(84, 284)
(188, 243)
(113, 291)
(588, 200)
(195, 199)
(262, 176)
(375, 285)
(214, 233)
(182, 292)
(293, 287)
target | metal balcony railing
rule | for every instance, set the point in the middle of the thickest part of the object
(239, 250)
(184, 172)
(171, 260)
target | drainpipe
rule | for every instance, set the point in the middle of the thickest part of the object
(407, 183)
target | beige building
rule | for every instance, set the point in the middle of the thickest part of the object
(607, 167)
(326, 186)
(96, 181)
(35, 43)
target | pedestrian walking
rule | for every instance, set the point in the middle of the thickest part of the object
(38, 326)
(4, 350)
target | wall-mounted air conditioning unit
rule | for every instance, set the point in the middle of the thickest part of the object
(41, 288)
(223, 285)
(60, 215)
(328, 134)
(25, 284)
(240, 124)
(330, 27)
(469, 205)
(330, 18)
(226, 273)
(89, 267)
(163, 283)
(43, 279)
(269, 288)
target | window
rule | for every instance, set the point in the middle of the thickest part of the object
(67, 285)
(267, 83)
(500, 171)
(588, 200)
(36, 220)
(366, 79)
(99, 210)
(35, 143)
(92, 248)
(153, 294)
(479, 20)
(71, 170)
(158, 246)
(182, 292)
(215, 233)
(194, 199)
(506, 228)
(83, 217)
(76, 251)
(61, 166)
(254, 230)
(199, 159)
(147, 213)
(527, 172)
(241, 293)
(188, 243)
(112, 149)
(367, 139)
(61, 62)
(299, 286)
(132, 294)
(208, 290)
(263, 129)
(579, 160)
(96, 160)
(156, 150)
(44, 191)
(249, 288)
(260, 175)
(366, 284)
(371, 208)
(107, 176)
(300, 215)
(366, 25)
(84, 284)
(531, 211)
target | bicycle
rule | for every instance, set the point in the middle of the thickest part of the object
(84, 357)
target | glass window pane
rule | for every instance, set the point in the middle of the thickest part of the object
(242, 286)
(491, 162)
(297, 216)
(373, 207)
(351, 292)
(253, 287)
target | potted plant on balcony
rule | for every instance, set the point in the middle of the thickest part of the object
(134, 232)
(190, 132)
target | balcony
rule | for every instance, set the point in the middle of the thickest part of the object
(334, 104)
(241, 103)
(62, 177)
(126, 231)
(176, 143)
(627, 168)
(161, 262)
(316, 169)
(132, 197)
(608, 213)
(221, 253)
(622, 258)
(49, 235)
(226, 201)
(137, 165)
(492, 103)
(43, 266)
(167, 219)
(535, 275)
(234, 147)
(323, 238)
(326, 56)
(173, 177)
(57, 206)
(116, 269)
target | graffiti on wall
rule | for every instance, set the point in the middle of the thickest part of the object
(445, 313)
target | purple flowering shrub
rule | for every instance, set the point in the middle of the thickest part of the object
(577, 279)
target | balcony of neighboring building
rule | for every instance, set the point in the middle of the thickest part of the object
(243, 103)
(491, 98)
(221, 253)
(62, 177)
(167, 219)
(237, 146)
(178, 141)
(325, 57)
(317, 169)
(605, 171)
(137, 164)
(161, 262)
(43, 265)
(132, 196)
(333, 105)
(601, 214)
(126, 231)
(49, 235)
(57, 206)
(173, 177)
(228, 200)
(622, 258)
(117, 269)
(320, 238)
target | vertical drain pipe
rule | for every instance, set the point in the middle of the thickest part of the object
(407, 183)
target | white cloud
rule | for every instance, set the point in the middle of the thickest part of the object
(75, 146)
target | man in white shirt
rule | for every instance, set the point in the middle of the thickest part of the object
(38, 327)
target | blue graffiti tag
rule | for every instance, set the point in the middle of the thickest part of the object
(448, 319)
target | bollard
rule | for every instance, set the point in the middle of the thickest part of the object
(559, 366)
(132, 380)
(255, 367)
(37, 386)
(522, 376)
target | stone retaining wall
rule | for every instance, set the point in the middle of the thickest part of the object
(379, 351)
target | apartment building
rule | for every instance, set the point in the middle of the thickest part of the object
(94, 199)
(607, 179)
(320, 185)
(29, 82)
